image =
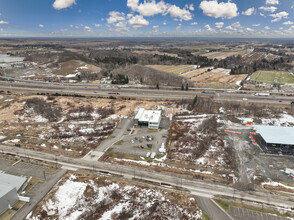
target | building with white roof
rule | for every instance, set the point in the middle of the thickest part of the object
(276, 136)
(10, 186)
(149, 118)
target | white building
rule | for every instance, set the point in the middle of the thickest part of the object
(10, 186)
(150, 118)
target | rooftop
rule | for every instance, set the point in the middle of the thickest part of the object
(4, 189)
(148, 115)
(12, 181)
(276, 134)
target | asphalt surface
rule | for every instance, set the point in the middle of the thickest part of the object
(223, 95)
(246, 214)
(196, 187)
(38, 192)
(212, 209)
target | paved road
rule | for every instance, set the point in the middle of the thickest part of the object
(212, 209)
(38, 192)
(144, 93)
(196, 187)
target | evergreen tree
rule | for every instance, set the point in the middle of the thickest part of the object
(187, 86)
(182, 87)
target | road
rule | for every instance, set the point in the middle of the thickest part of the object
(223, 95)
(196, 187)
(212, 209)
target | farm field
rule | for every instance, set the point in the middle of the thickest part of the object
(224, 54)
(217, 78)
(174, 69)
(194, 73)
(272, 77)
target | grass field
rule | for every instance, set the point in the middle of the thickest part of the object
(174, 69)
(272, 77)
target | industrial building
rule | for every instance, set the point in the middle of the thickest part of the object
(275, 137)
(148, 118)
(10, 186)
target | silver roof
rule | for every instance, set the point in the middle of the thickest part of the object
(276, 134)
(11, 180)
(4, 189)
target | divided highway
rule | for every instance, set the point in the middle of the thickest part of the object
(92, 90)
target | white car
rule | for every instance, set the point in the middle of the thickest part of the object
(132, 141)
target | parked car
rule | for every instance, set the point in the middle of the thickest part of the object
(292, 103)
(132, 141)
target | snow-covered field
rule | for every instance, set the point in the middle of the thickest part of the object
(284, 119)
(80, 196)
(192, 141)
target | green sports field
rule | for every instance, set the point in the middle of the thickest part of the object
(272, 77)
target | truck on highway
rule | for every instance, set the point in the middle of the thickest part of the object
(262, 94)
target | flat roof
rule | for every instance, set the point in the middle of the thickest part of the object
(12, 181)
(4, 189)
(276, 134)
(148, 115)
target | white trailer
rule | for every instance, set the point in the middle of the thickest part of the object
(262, 94)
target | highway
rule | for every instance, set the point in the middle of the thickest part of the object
(195, 187)
(90, 90)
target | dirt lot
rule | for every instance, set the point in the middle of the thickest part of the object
(87, 196)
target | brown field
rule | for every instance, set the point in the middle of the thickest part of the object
(69, 126)
(174, 69)
(252, 57)
(217, 78)
(224, 54)
(194, 73)
(75, 66)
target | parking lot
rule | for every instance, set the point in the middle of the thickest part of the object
(141, 140)
(29, 168)
(245, 214)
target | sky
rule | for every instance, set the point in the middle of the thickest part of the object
(147, 18)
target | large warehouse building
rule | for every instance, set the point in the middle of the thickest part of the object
(148, 118)
(10, 186)
(275, 136)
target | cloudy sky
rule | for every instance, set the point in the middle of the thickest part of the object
(147, 18)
